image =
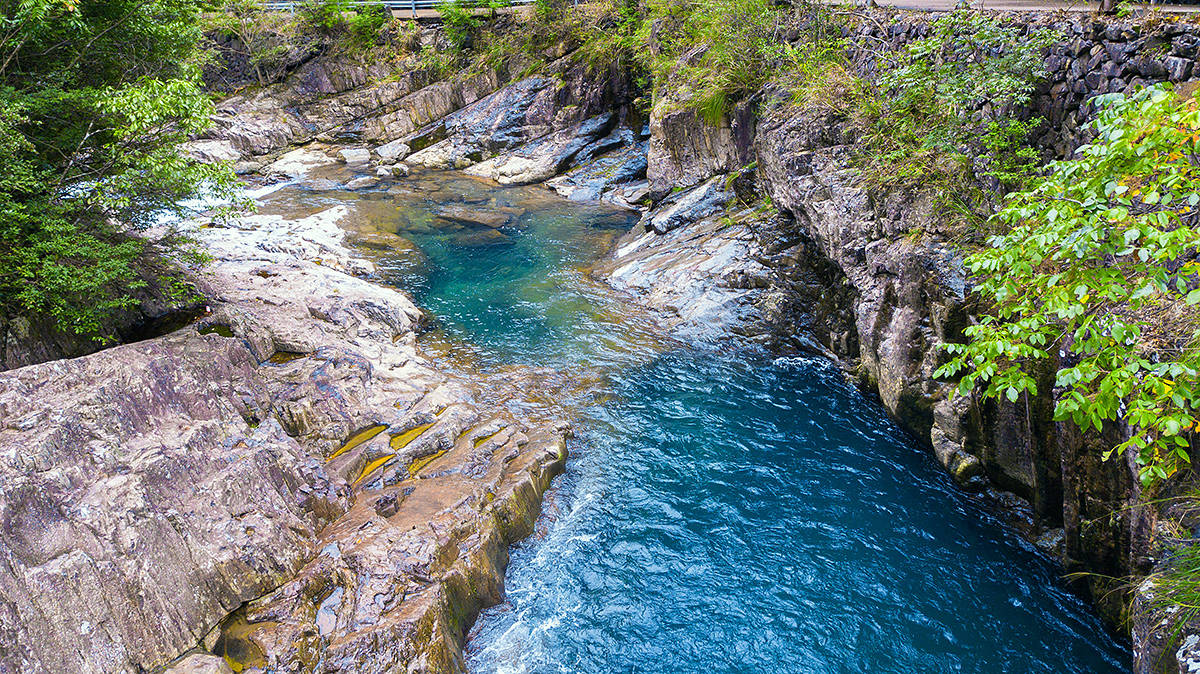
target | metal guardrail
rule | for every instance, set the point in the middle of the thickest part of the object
(393, 5)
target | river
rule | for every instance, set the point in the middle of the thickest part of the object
(724, 510)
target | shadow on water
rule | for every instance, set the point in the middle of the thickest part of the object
(723, 511)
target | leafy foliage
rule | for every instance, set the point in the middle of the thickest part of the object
(1100, 265)
(326, 17)
(459, 22)
(265, 38)
(365, 24)
(94, 100)
(737, 45)
(922, 127)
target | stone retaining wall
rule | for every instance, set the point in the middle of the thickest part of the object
(1096, 56)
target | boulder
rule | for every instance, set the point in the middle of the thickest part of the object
(603, 173)
(392, 152)
(543, 158)
(356, 155)
(297, 163)
(212, 151)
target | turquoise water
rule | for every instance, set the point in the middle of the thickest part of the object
(723, 510)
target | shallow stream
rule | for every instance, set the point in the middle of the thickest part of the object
(723, 510)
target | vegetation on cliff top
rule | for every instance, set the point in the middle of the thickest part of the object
(94, 99)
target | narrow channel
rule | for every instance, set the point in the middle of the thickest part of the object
(724, 510)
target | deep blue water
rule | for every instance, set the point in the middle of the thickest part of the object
(723, 511)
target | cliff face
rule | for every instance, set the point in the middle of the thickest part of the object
(908, 298)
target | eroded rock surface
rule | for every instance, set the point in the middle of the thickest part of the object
(149, 490)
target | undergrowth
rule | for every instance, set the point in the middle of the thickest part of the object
(270, 41)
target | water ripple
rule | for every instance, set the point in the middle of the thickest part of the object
(733, 516)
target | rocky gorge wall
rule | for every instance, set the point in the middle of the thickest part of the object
(876, 280)
(896, 258)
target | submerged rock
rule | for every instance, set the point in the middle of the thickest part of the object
(362, 182)
(464, 214)
(484, 237)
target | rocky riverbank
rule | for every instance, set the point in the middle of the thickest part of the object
(289, 482)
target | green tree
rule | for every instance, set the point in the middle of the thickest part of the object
(1099, 269)
(95, 98)
(265, 38)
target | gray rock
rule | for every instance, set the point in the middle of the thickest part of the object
(150, 489)
(1051, 542)
(1178, 69)
(1150, 68)
(609, 171)
(544, 158)
(355, 155)
(297, 163)
(393, 151)
(211, 151)
(695, 204)
(362, 182)
(686, 150)
(247, 167)
(331, 94)
(200, 663)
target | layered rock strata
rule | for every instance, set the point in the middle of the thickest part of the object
(292, 458)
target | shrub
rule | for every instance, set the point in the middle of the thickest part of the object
(266, 38)
(951, 91)
(459, 22)
(327, 17)
(1099, 265)
(367, 21)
